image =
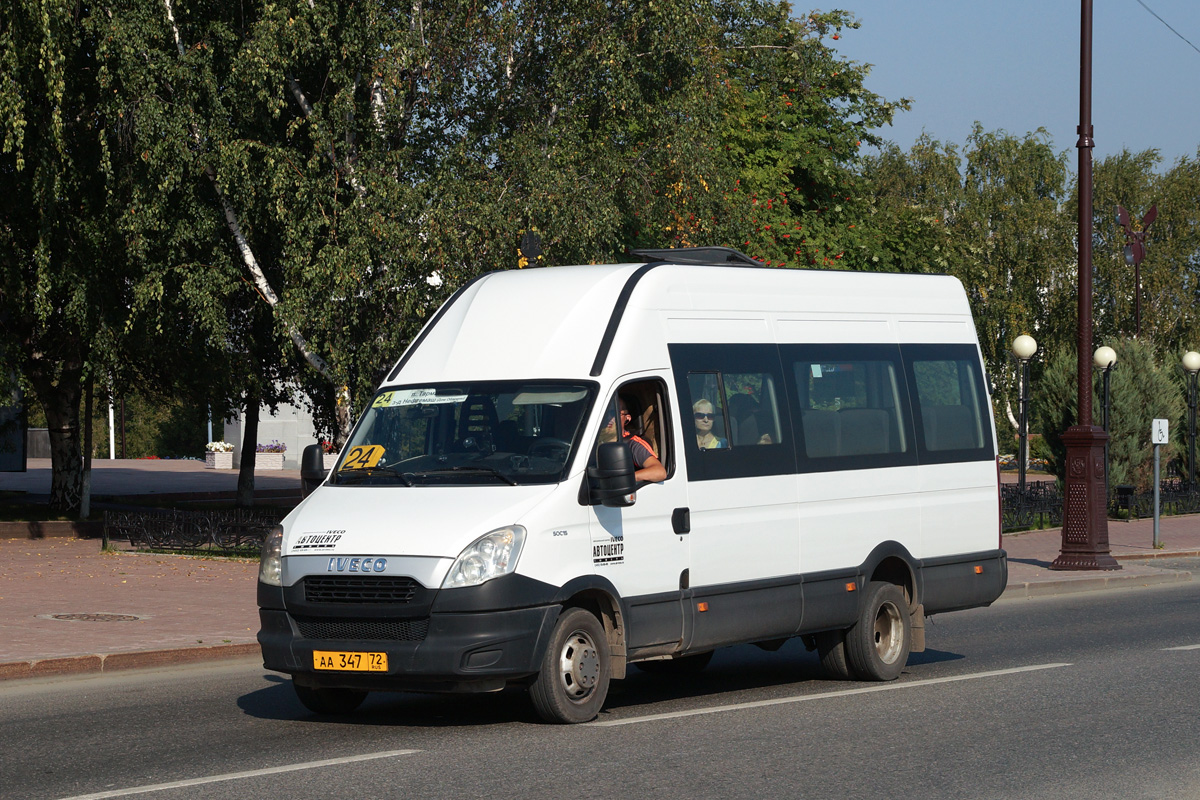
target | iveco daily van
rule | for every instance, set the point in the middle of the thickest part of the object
(820, 461)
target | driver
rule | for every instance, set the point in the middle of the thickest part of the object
(647, 467)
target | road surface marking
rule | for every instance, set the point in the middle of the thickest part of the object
(235, 776)
(885, 687)
(1185, 647)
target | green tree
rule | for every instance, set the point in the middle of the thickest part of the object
(916, 196)
(63, 275)
(797, 115)
(1143, 386)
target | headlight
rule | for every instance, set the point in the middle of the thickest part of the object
(490, 556)
(270, 568)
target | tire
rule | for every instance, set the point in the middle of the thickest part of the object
(329, 701)
(877, 646)
(831, 647)
(685, 665)
(572, 683)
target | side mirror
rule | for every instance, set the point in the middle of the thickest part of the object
(611, 482)
(312, 469)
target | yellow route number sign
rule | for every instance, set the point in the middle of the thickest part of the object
(363, 457)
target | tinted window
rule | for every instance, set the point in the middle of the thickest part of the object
(952, 422)
(733, 407)
(852, 406)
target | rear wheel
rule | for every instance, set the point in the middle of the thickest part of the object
(685, 665)
(572, 683)
(329, 701)
(877, 646)
(831, 647)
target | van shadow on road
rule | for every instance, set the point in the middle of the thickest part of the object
(733, 672)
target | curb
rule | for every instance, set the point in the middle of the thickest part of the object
(1017, 591)
(51, 529)
(113, 662)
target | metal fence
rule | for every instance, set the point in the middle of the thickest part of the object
(226, 531)
(1041, 504)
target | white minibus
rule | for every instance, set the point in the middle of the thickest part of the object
(572, 470)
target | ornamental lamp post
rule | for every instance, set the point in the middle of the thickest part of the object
(1024, 347)
(1085, 518)
(1105, 359)
(1191, 365)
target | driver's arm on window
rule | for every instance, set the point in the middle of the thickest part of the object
(652, 471)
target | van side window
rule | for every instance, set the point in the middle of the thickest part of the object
(952, 417)
(852, 406)
(734, 406)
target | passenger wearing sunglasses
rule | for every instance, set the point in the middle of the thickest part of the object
(702, 412)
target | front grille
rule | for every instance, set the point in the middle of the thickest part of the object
(404, 630)
(358, 589)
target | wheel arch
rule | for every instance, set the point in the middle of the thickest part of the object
(598, 595)
(891, 562)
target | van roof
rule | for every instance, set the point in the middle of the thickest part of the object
(577, 322)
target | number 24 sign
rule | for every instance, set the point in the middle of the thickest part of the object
(363, 457)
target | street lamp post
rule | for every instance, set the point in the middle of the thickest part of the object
(1191, 364)
(1024, 347)
(1085, 518)
(1135, 251)
(1105, 359)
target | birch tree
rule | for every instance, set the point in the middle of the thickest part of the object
(63, 277)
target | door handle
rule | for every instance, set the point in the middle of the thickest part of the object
(681, 520)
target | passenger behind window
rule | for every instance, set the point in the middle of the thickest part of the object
(702, 412)
(743, 416)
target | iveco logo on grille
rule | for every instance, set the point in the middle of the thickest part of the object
(357, 564)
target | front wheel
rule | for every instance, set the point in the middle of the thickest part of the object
(329, 701)
(573, 680)
(877, 646)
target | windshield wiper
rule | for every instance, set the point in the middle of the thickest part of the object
(368, 472)
(485, 470)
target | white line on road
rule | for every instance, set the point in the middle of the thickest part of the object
(234, 776)
(885, 687)
(1185, 647)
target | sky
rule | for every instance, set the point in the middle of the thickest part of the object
(1013, 65)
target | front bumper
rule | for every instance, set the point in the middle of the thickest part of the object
(460, 652)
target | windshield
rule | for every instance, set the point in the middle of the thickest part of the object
(505, 432)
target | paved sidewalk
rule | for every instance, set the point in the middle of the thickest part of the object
(162, 478)
(70, 608)
(66, 607)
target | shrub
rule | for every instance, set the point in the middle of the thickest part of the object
(1141, 389)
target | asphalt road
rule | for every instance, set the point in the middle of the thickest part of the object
(1081, 696)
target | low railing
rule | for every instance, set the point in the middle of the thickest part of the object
(1041, 504)
(176, 529)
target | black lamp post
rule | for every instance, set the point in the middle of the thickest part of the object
(1024, 348)
(1105, 359)
(1191, 364)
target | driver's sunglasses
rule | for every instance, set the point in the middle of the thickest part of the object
(698, 415)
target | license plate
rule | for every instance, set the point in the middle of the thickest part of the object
(349, 662)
